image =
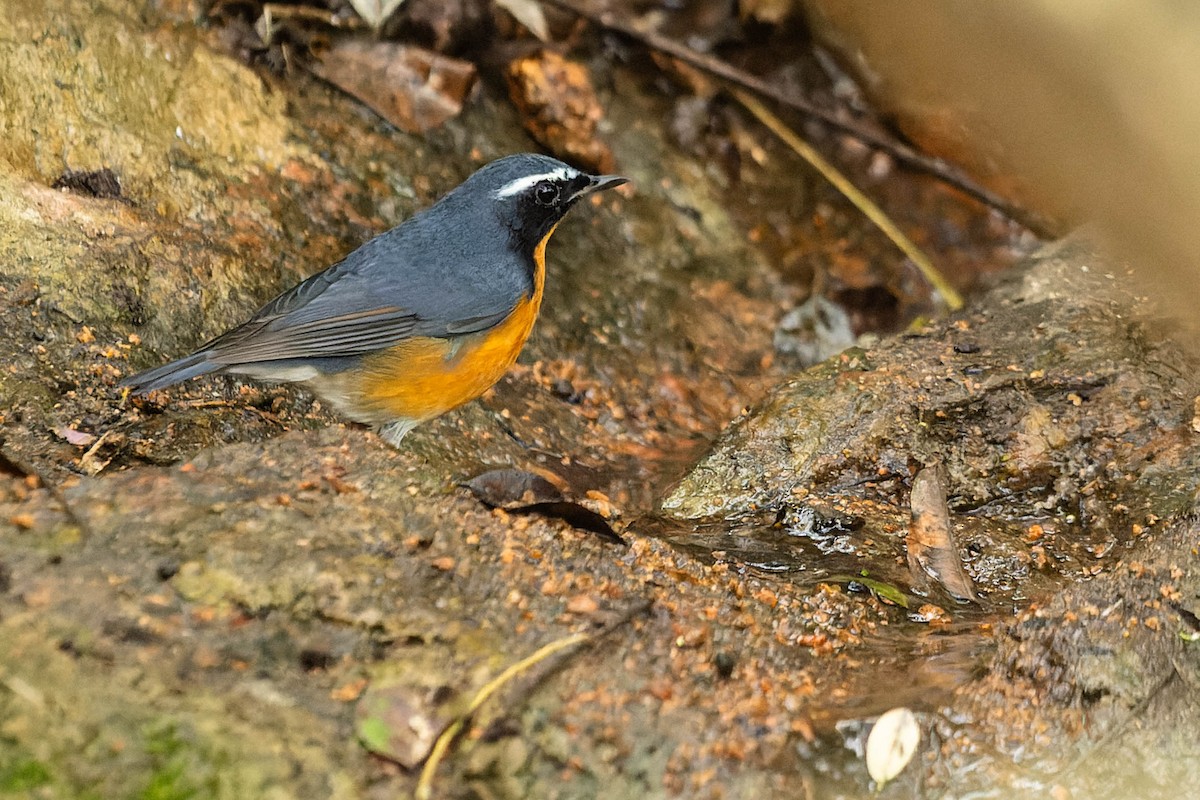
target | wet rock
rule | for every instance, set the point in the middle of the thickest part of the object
(180, 585)
(1098, 684)
(1063, 414)
(358, 572)
(1068, 411)
(138, 103)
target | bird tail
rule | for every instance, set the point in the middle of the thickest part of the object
(171, 374)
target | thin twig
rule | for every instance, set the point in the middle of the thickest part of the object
(425, 782)
(861, 201)
(273, 12)
(936, 167)
(91, 451)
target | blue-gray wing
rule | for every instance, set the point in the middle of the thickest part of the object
(390, 289)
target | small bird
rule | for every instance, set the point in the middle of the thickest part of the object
(420, 319)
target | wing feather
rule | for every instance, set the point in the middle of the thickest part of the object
(385, 292)
(344, 335)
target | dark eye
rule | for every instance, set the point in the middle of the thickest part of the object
(545, 194)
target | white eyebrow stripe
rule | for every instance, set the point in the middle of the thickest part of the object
(521, 184)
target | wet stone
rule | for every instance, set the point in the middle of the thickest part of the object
(1069, 458)
(1072, 419)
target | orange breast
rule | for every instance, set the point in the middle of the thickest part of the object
(423, 377)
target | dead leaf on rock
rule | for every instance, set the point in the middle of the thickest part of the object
(414, 89)
(932, 550)
(77, 438)
(559, 108)
(521, 492)
(512, 489)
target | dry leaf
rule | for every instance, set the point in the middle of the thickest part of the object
(513, 489)
(400, 721)
(77, 438)
(518, 491)
(375, 12)
(891, 744)
(530, 14)
(932, 550)
(412, 88)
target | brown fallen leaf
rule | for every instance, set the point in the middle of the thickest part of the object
(559, 108)
(512, 489)
(414, 89)
(932, 550)
(521, 492)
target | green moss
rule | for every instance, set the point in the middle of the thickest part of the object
(23, 775)
(169, 784)
(375, 734)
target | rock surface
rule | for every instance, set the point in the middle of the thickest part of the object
(210, 591)
(1065, 418)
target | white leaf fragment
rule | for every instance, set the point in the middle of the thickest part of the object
(530, 14)
(375, 12)
(891, 744)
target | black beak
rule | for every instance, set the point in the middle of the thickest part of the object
(598, 183)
